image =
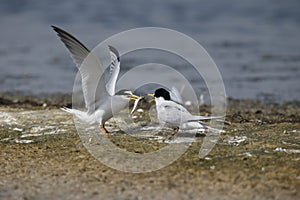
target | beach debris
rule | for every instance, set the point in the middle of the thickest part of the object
(7, 118)
(280, 149)
(17, 129)
(140, 110)
(247, 154)
(236, 140)
(44, 133)
(180, 140)
(37, 129)
(23, 141)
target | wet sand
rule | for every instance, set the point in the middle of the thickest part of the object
(42, 157)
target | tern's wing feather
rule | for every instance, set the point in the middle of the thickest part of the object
(91, 69)
(173, 113)
(113, 70)
(77, 50)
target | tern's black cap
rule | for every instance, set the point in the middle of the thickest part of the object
(161, 92)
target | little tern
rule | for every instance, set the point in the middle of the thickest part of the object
(172, 114)
(100, 98)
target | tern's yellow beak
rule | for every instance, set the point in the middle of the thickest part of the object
(151, 95)
(134, 97)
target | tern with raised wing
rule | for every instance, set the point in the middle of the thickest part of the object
(101, 100)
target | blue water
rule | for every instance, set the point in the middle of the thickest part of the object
(255, 44)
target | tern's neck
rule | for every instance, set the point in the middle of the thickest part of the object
(159, 100)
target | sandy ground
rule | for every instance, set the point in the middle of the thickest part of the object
(42, 157)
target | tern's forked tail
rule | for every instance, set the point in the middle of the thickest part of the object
(195, 118)
(83, 116)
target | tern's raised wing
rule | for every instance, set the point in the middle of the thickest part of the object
(91, 69)
(77, 50)
(113, 70)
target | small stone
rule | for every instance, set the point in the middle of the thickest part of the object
(18, 129)
(140, 110)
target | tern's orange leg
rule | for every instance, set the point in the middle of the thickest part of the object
(176, 130)
(174, 135)
(103, 130)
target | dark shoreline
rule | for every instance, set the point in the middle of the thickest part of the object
(31, 100)
(65, 99)
(237, 110)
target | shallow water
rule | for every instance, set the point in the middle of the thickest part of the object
(255, 44)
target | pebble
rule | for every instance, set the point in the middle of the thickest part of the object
(18, 129)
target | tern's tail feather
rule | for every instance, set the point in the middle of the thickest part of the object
(83, 116)
(202, 118)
